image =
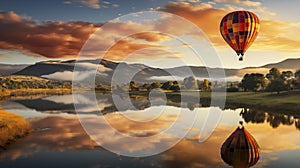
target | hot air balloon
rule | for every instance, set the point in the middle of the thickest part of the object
(239, 29)
(240, 150)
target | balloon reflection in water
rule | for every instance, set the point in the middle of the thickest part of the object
(240, 150)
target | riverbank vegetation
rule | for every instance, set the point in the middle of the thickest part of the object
(15, 85)
(12, 127)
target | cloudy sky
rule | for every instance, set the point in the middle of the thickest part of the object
(33, 31)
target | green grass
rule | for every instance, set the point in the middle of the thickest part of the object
(289, 101)
(285, 101)
(12, 127)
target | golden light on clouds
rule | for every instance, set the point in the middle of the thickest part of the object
(53, 39)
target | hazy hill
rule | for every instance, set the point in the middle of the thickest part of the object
(62, 70)
(292, 64)
(6, 69)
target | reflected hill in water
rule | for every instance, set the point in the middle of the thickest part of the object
(105, 105)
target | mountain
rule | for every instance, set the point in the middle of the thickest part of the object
(106, 70)
(6, 69)
(291, 64)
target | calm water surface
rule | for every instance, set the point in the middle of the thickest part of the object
(58, 140)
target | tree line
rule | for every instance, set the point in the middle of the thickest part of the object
(11, 82)
(274, 81)
(189, 83)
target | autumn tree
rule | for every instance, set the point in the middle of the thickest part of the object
(204, 85)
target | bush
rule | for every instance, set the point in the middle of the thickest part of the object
(232, 89)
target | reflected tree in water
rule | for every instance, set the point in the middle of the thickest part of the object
(274, 119)
(252, 115)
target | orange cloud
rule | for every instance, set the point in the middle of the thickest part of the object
(49, 39)
(65, 39)
(208, 19)
(151, 36)
(125, 47)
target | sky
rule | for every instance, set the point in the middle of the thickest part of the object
(32, 31)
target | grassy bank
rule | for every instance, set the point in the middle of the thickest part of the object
(289, 101)
(285, 101)
(24, 92)
(12, 127)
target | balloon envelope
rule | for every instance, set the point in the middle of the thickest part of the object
(239, 29)
(240, 150)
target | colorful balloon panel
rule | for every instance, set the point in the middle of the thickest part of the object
(239, 29)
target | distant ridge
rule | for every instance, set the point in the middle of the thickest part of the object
(6, 69)
(56, 69)
(292, 63)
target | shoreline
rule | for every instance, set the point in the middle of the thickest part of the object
(287, 102)
(7, 94)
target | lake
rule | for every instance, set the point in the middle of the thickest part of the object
(59, 140)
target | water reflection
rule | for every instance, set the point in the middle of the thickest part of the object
(273, 118)
(240, 150)
(105, 105)
(57, 132)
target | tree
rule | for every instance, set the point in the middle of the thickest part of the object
(190, 83)
(155, 85)
(133, 86)
(287, 76)
(273, 74)
(297, 74)
(296, 81)
(277, 85)
(175, 86)
(167, 85)
(253, 82)
(204, 85)
(146, 86)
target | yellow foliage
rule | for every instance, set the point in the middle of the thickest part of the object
(12, 127)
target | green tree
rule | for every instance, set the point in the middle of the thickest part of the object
(277, 85)
(167, 85)
(296, 81)
(133, 86)
(297, 74)
(155, 85)
(175, 86)
(287, 76)
(253, 82)
(146, 86)
(273, 74)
